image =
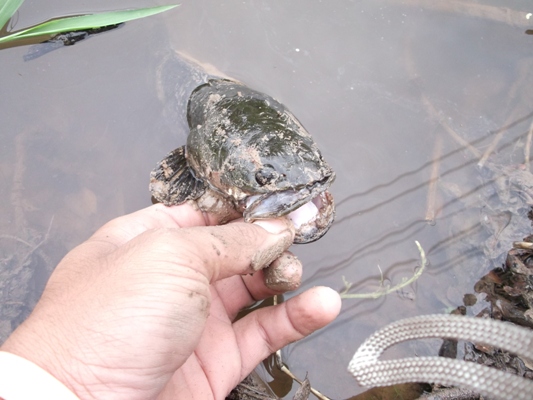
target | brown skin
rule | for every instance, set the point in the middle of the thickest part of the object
(144, 308)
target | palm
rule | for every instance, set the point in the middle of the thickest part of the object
(217, 364)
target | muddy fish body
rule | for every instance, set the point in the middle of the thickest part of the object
(248, 153)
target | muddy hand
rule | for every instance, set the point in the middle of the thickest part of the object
(144, 308)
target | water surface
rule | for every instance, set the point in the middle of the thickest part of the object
(402, 98)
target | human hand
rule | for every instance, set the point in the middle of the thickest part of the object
(144, 309)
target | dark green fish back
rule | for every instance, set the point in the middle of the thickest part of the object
(237, 132)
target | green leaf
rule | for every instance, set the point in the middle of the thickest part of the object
(69, 24)
(7, 9)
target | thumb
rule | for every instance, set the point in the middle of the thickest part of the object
(217, 252)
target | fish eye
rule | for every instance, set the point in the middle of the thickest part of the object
(266, 175)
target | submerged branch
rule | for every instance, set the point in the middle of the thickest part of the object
(431, 200)
(504, 15)
(527, 148)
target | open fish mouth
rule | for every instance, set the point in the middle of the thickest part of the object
(314, 218)
(311, 210)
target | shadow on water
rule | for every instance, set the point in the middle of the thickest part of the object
(414, 228)
(430, 163)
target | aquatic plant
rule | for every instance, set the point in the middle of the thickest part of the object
(69, 24)
(385, 290)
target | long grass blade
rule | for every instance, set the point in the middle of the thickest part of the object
(7, 9)
(69, 24)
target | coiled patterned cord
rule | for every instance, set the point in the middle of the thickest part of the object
(496, 384)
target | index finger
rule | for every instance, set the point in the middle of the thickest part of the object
(122, 229)
(240, 240)
(217, 252)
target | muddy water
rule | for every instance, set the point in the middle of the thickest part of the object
(403, 99)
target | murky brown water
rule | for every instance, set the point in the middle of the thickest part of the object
(385, 87)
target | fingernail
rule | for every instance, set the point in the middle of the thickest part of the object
(274, 246)
(274, 226)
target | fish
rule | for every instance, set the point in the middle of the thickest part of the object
(247, 155)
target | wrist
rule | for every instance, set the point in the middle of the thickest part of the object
(37, 349)
(23, 379)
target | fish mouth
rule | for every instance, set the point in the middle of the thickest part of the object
(311, 209)
(313, 219)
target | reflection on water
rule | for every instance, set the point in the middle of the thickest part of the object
(422, 109)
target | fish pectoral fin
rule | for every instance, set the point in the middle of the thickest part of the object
(172, 181)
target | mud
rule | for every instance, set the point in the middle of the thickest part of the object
(264, 258)
(214, 203)
(284, 274)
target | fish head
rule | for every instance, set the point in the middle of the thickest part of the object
(252, 149)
